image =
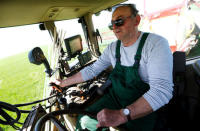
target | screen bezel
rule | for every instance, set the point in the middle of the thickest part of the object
(69, 46)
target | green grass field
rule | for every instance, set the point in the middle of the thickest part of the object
(20, 82)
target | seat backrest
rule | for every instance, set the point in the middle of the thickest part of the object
(179, 69)
(179, 62)
(166, 120)
(182, 110)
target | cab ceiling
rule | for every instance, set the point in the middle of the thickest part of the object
(23, 12)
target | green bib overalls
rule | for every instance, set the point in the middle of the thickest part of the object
(127, 87)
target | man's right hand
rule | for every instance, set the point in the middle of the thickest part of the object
(57, 82)
(77, 78)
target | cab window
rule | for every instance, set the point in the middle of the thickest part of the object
(179, 24)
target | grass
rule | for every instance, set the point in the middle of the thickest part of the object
(20, 82)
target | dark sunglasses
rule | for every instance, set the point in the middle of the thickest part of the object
(118, 22)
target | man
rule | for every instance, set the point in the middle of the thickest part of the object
(141, 78)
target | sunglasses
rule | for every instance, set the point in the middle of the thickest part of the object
(118, 22)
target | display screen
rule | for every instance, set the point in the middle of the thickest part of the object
(74, 45)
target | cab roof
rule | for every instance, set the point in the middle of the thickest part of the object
(23, 12)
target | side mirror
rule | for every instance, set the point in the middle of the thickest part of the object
(36, 56)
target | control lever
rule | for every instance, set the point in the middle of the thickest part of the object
(57, 87)
(101, 90)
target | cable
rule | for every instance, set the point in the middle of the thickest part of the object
(8, 119)
(34, 102)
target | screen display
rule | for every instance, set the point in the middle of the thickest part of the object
(73, 45)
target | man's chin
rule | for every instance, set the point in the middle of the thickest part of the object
(118, 37)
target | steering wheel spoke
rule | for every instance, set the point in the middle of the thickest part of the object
(52, 117)
(57, 123)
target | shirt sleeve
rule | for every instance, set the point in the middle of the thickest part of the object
(159, 69)
(97, 67)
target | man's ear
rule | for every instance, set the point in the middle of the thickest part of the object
(138, 18)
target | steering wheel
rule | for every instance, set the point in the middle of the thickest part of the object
(52, 117)
(8, 119)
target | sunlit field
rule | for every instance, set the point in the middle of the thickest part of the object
(20, 82)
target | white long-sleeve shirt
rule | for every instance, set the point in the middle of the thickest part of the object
(155, 68)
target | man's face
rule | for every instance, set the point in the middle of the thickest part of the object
(126, 30)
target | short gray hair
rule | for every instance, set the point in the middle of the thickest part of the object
(134, 11)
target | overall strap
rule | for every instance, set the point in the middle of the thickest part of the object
(139, 50)
(117, 55)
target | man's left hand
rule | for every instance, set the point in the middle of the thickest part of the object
(110, 118)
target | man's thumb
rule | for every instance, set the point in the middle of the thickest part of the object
(98, 125)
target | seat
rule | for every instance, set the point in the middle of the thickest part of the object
(176, 108)
(182, 112)
(179, 69)
(166, 114)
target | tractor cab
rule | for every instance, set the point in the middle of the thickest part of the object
(72, 48)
